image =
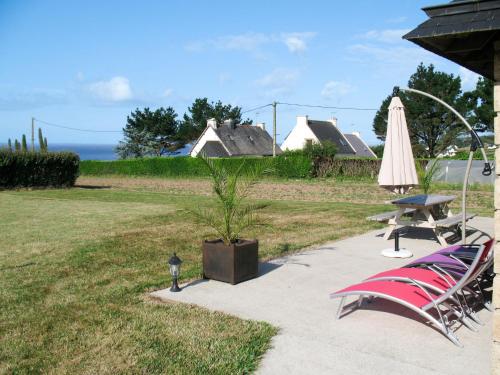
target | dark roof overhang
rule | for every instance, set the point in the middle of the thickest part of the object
(463, 32)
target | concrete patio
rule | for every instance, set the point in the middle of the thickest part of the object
(292, 293)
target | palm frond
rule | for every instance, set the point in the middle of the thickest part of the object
(231, 216)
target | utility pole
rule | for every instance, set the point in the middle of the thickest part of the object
(33, 134)
(274, 129)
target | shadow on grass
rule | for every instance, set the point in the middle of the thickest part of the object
(93, 187)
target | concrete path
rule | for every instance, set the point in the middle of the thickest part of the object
(292, 293)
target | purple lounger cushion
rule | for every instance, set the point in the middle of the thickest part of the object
(442, 261)
(459, 248)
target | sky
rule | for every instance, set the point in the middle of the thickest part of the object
(88, 64)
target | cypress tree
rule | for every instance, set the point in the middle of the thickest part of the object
(17, 145)
(9, 144)
(45, 145)
(40, 140)
(24, 145)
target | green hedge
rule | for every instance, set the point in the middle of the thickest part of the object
(344, 167)
(296, 166)
(35, 169)
(284, 166)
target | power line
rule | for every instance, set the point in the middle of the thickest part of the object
(77, 129)
(328, 107)
(256, 108)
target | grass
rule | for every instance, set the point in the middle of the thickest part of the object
(76, 266)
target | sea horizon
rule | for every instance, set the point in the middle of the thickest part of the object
(95, 151)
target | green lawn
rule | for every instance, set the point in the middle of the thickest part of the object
(76, 266)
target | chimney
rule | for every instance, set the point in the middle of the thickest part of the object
(357, 134)
(212, 123)
(261, 125)
(230, 122)
(333, 120)
(302, 120)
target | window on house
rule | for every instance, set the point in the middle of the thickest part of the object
(309, 142)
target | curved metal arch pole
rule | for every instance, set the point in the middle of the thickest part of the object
(487, 167)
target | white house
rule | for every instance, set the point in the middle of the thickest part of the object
(450, 151)
(314, 131)
(229, 139)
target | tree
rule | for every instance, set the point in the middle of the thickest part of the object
(431, 126)
(9, 144)
(195, 121)
(480, 105)
(17, 145)
(150, 133)
(24, 144)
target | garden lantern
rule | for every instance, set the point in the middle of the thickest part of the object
(174, 264)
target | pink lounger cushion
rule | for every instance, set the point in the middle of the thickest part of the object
(420, 275)
(408, 293)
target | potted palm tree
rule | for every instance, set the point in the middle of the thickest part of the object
(230, 258)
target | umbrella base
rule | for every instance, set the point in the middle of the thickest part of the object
(391, 253)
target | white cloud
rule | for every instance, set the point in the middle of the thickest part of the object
(296, 42)
(280, 81)
(245, 42)
(117, 89)
(469, 79)
(336, 88)
(80, 77)
(167, 93)
(385, 36)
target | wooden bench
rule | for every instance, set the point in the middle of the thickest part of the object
(451, 221)
(448, 224)
(386, 216)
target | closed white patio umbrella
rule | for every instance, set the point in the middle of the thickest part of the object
(397, 172)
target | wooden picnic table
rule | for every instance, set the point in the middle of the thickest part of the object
(423, 211)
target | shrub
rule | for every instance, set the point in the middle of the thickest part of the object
(35, 169)
(378, 150)
(325, 149)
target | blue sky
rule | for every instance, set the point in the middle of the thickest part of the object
(88, 64)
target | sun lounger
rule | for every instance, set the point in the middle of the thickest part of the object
(432, 293)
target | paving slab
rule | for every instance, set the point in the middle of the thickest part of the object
(292, 293)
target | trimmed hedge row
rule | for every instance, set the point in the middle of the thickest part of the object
(363, 168)
(35, 169)
(351, 167)
(296, 166)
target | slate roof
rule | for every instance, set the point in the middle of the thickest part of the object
(360, 147)
(213, 149)
(461, 31)
(326, 131)
(246, 140)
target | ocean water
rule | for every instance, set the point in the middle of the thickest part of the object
(87, 151)
(100, 151)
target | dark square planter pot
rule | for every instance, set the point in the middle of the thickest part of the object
(230, 263)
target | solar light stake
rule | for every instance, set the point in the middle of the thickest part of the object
(175, 270)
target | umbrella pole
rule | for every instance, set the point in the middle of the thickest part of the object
(473, 147)
(464, 197)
